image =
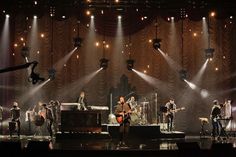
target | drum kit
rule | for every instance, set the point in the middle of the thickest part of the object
(139, 114)
(36, 118)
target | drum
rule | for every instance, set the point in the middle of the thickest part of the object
(39, 120)
(135, 118)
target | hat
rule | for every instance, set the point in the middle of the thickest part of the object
(44, 104)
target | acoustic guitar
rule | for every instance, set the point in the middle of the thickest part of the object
(121, 118)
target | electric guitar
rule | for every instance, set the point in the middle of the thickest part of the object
(171, 111)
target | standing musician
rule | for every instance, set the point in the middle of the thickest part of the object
(215, 115)
(122, 113)
(228, 114)
(55, 106)
(15, 115)
(227, 109)
(171, 107)
(82, 101)
(48, 116)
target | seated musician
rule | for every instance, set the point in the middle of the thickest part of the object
(82, 101)
(123, 117)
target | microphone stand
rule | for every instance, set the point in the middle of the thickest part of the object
(123, 122)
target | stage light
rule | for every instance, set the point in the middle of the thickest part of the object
(119, 17)
(183, 74)
(156, 43)
(88, 12)
(92, 16)
(35, 17)
(209, 53)
(7, 15)
(25, 51)
(104, 63)
(51, 73)
(78, 42)
(213, 14)
(130, 64)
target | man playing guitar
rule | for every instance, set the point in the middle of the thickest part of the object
(171, 109)
(122, 113)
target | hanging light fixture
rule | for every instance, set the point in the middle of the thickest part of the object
(209, 52)
(156, 42)
(103, 60)
(182, 72)
(78, 40)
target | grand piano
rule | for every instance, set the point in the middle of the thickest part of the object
(75, 120)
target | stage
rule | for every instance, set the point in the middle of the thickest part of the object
(151, 131)
(111, 131)
(44, 145)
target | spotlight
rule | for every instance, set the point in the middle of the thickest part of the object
(209, 53)
(78, 42)
(130, 64)
(183, 74)
(156, 43)
(104, 63)
(25, 51)
(51, 73)
(34, 77)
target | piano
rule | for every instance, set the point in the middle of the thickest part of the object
(76, 106)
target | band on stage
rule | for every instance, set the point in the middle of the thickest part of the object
(127, 112)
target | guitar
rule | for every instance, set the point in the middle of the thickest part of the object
(169, 112)
(121, 118)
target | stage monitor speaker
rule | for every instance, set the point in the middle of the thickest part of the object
(187, 149)
(188, 146)
(38, 145)
(8, 146)
(222, 149)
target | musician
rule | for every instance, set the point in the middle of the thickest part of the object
(15, 115)
(122, 112)
(171, 106)
(132, 102)
(215, 115)
(228, 114)
(82, 101)
(55, 106)
(48, 117)
(227, 109)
